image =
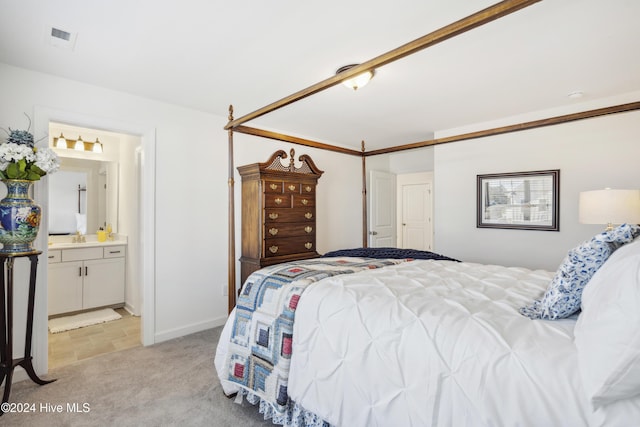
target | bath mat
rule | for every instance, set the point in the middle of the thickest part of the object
(81, 320)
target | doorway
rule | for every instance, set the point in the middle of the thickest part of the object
(111, 201)
(146, 233)
(400, 210)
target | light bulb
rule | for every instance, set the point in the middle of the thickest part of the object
(79, 144)
(97, 146)
(61, 142)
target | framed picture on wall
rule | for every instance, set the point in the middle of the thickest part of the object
(519, 200)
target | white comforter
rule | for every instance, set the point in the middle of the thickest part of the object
(437, 343)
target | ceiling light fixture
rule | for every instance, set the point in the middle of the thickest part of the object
(358, 81)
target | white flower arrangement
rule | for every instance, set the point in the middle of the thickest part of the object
(20, 159)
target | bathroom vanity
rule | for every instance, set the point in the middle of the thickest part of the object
(85, 276)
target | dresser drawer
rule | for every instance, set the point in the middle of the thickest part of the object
(272, 231)
(290, 215)
(301, 201)
(114, 251)
(291, 245)
(53, 256)
(81, 254)
(292, 187)
(272, 187)
(277, 200)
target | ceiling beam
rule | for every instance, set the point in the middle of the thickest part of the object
(512, 128)
(556, 120)
(465, 24)
(294, 139)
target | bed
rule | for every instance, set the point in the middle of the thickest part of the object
(433, 342)
(357, 340)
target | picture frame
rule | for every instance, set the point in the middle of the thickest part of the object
(519, 200)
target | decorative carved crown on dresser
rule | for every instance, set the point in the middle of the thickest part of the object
(278, 211)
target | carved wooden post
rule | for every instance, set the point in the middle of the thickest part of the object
(364, 198)
(232, 226)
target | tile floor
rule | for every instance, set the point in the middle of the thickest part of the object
(71, 346)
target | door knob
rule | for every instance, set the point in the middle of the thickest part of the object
(373, 233)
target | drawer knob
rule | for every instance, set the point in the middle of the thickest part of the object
(308, 229)
(114, 252)
(273, 231)
(273, 249)
(308, 245)
(278, 200)
(308, 215)
(273, 216)
(307, 188)
(305, 202)
(292, 187)
(273, 186)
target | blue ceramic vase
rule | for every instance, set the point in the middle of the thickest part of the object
(19, 218)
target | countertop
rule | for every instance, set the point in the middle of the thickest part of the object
(65, 242)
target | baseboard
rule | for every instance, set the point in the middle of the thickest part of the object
(131, 309)
(190, 329)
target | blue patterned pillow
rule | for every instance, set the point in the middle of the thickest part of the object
(564, 295)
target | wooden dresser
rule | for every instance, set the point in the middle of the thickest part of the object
(278, 211)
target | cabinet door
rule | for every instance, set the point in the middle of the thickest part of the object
(65, 287)
(103, 282)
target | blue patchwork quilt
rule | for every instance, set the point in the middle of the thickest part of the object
(260, 346)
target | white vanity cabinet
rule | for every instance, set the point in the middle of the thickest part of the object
(85, 278)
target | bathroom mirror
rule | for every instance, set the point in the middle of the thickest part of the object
(83, 195)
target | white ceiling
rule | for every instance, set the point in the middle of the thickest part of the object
(207, 54)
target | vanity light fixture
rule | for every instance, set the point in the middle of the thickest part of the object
(79, 145)
(358, 81)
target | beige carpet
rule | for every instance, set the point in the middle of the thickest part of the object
(168, 384)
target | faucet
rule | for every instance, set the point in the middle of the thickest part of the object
(79, 238)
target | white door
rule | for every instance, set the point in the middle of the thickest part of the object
(416, 216)
(382, 209)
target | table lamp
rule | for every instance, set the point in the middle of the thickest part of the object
(609, 207)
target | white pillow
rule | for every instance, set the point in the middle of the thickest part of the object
(607, 334)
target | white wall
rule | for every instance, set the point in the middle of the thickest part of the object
(191, 193)
(129, 218)
(591, 154)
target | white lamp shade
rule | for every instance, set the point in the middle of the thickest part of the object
(61, 142)
(79, 145)
(609, 207)
(97, 146)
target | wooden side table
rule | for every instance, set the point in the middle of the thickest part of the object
(7, 362)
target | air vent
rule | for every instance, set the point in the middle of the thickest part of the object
(55, 36)
(60, 34)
